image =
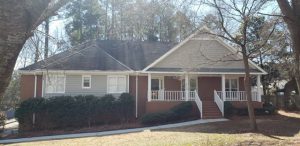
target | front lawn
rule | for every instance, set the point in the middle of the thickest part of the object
(281, 129)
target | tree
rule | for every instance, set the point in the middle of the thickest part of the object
(234, 18)
(18, 20)
(85, 19)
(291, 15)
(11, 96)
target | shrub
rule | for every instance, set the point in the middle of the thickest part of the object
(125, 104)
(67, 111)
(24, 113)
(269, 108)
(228, 109)
(177, 113)
(157, 118)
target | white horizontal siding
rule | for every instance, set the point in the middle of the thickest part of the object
(73, 86)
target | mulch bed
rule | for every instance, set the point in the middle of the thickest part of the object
(282, 124)
(75, 131)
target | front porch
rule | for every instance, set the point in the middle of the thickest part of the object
(208, 91)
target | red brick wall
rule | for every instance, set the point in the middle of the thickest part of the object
(172, 84)
(39, 86)
(207, 85)
(142, 92)
(241, 84)
(27, 86)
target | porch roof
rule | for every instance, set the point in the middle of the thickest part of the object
(208, 70)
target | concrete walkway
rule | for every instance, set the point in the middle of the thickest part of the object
(104, 133)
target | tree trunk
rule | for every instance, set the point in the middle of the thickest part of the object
(46, 39)
(17, 20)
(247, 84)
(11, 51)
(37, 53)
(291, 12)
(106, 20)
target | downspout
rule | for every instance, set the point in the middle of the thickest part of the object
(136, 94)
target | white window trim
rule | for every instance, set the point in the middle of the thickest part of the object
(238, 82)
(190, 78)
(90, 80)
(47, 80)
(162, 79)
(115, 76)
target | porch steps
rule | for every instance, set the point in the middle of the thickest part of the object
(210, 110)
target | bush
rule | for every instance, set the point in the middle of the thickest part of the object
(79, 111)
(228, 109)
(177, 113)
(269, 108)
(126, 106)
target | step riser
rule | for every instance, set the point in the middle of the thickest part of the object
(210, 109)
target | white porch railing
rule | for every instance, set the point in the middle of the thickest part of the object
(198, 103)
(161, 95)
(219, 102)
(238, 96)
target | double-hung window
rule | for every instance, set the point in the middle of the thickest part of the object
(86, 81)
(116, 84)
(231, 84)
(55, 83)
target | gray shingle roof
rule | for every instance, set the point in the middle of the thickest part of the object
(106, 55)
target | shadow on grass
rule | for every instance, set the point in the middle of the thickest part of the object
(270, 126)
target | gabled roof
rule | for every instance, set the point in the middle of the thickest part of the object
(202, 52)
(117, 55)
(105, 55)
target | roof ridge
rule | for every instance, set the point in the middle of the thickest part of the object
(116, 59)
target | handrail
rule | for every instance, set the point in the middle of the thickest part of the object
(162, 95)
(237, 95)
(199, 103)
(219, 102)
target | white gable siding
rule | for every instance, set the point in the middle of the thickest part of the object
(201, 54)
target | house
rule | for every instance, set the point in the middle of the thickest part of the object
(202, 68)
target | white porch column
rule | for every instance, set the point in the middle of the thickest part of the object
(149, 87)
(258, 84)
(223, 88)
(186, 85)
(35, 84)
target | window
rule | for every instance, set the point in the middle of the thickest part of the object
(86, 81)
(231, 85)
(55, 83)
(116, 84)
(156, 83)
(193, 84)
